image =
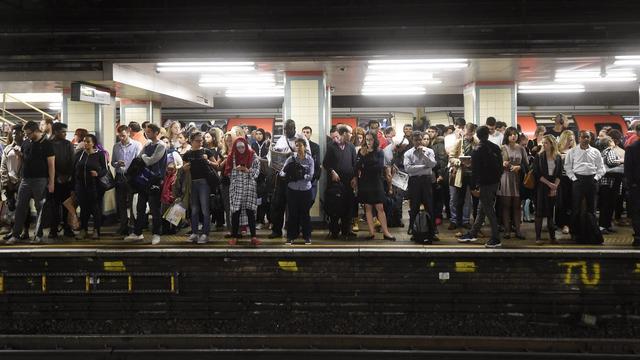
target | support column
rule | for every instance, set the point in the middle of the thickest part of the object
(491, 98)
(99, 120)
(140, 111)
(307, 100)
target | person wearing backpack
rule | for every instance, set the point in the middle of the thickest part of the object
(419, 162)
(486, 170)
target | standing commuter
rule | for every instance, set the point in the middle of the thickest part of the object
(560, 123)
(243, 168)
(90, 164)
(137, 134)
(315, 154)
(38, 177)
(370, 169)
(566, 142)
(495, 136)
(515, 162)
(584, 166)
(199, 162)
(440, 189)
(374, 126)
(632, 177)
(419, 162)
(547, 170)
(154, 156)
(11, 175)
(124, 151)
(298, 169)
(486, 163)
(610, 183)
(63, 151)
(339, 163)
(285, 144)
(260, 146)
(460, 179)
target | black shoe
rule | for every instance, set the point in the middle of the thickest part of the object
(392, 238)
(350, 236)
(493, 243)
(274, 236)
(7, 236)
(427, 242)
(25, 235)
(435, 238)
(332, 236)
(520, 236)
(53, 236)
(69, 233)
(409, 231)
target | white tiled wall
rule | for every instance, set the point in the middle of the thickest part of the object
(497, 102)
(81, 115)
(138, 114)
(469, 103)
(305, 105)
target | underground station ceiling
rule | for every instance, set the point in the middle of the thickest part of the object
(275, 30)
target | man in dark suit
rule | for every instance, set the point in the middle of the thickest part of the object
(315, 154)
(632, 175)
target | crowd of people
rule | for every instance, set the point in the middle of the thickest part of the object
(239, 181)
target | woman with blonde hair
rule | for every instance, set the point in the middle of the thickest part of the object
(547, 170)
(358, 138)
(566, 142)
(535, 145)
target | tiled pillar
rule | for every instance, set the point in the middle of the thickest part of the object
(491, 98)
(99, 120)
(140, 111)
(307, 100)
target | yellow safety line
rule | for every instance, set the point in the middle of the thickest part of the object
(87, 284)
(44, 283)
(173, 283)
(130, 285)
(1, 283)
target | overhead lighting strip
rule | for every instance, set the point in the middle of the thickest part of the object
(550, 88)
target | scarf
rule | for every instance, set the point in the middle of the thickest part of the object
(245, 159)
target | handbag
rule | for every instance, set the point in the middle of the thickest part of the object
(106, 181)
(529, 181)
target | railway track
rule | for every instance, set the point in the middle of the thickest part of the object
(310, 347)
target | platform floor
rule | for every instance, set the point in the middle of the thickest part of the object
(622, 238)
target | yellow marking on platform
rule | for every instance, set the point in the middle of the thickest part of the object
(130, 283)
(465, 266)
(637, 270)
(288, 265)
(44, 283)
(173, 283)
(87, 283)
(584, 274)
(114, 266)
(1, 283)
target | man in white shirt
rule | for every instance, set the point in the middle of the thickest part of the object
(584, 166)
(419, 162)
(494, 135)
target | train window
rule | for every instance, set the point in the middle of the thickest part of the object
(616, 126)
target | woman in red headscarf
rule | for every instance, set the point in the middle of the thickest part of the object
(242, 167)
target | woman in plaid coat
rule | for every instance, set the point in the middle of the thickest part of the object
(242, 167)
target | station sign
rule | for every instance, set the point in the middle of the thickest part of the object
(89, 93)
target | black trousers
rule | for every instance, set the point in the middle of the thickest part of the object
(420, 193)
(584, 188)
(342, 223)
(278, 205)
(124, 197)
(633, 207)
(299, 220)
(153, 198)
(90, 201)
(607, 199)
(61, 193)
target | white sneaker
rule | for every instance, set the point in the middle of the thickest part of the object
(155, 239)
(12, 240)
(134, 237)
(203, 239)
(258, 226)
(193, 238)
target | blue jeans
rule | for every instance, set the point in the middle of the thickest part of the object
(200, 203)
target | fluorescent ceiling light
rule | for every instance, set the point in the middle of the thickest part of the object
(418, 61)
(273, 92)
(34, 97)
(401, 82)
(594, 76)
(397, 76)
(393, 90)
(238, 85)
(397, 93)
(552, 88)
(626, 62)
(208, 63)
(201, 69)
(628, 57)
(419, 66)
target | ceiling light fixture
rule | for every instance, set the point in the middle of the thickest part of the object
(627, 60)
(551, 88)
(202, 69)
(388, 90)
(34, 97)
(419, 66)
(401, 82)
(250, 92)
(418, 61)
(208, 63)
(594, 76)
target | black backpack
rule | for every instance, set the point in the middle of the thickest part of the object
(334, 199)
(588, 230)
(422, 227)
